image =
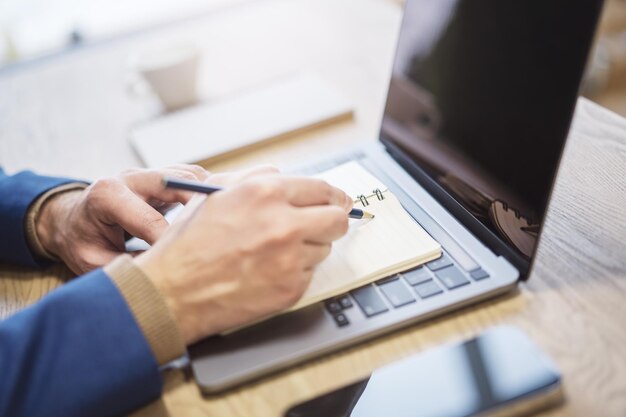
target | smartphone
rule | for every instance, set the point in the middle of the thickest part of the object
(499, 373)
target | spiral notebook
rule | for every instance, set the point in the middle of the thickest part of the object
(372, 249)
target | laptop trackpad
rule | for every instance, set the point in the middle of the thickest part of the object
(222, 361)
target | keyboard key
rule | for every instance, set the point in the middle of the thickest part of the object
(427, 289)
(341, 319)
(417, 276)
(439, 263)
(387, 279)
(370, 302)
(333, 306)
(397, 293)
(451, 277)
(345, 301)
(479, 274)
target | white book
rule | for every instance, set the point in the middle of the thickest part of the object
(390, 243)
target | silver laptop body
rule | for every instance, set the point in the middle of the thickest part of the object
(477, 263)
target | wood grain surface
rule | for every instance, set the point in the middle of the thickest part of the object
(71, 115)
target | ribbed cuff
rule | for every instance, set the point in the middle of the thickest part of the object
(33, 215)
(155, 319)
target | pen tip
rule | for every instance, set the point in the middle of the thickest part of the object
(367, 215)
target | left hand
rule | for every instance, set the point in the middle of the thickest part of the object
(86, 228)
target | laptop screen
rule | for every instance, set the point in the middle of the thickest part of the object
(481, 97)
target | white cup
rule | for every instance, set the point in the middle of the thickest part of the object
(171, 73)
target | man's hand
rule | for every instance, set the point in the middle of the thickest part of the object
(245, 252)
(85, 228)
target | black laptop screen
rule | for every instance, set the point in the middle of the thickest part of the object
(481, 97)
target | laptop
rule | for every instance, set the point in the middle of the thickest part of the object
(480, 101)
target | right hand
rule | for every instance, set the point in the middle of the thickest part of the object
(246, 252)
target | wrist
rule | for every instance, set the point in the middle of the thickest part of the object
(154, 317)
(149, 263)
(52, 217)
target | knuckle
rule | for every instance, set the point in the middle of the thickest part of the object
(102, 189)
(105, 184)
(284, 264)
(196, 171)
(186, 175)
(247, 189)
(285, 235)
(266, 168)
(324, 190)
(293, 290)
(130, 172)
(266, 190)
(152, 218)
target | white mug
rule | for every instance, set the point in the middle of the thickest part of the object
(171, 73)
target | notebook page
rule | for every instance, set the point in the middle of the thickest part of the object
(372, 249)
(353, 179)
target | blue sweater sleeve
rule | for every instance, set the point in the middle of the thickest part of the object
(77, 352)
(17, 193)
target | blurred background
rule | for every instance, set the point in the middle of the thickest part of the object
(606, 75)
(32, 30)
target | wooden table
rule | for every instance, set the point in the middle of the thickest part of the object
(70, 116)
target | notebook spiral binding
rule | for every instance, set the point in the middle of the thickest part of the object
(375, 193)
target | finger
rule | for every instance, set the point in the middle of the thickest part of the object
(348, 203)
(200, 173)
(314, 253)
(322, 224)
(149, 184)
(303, 191)
(134, 215)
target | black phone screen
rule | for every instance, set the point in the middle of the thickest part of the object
(499, 367)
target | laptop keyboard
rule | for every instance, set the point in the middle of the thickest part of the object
(420, 284)
(433, 279)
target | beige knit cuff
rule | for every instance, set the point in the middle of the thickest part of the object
(33, 215)
(155, 319)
